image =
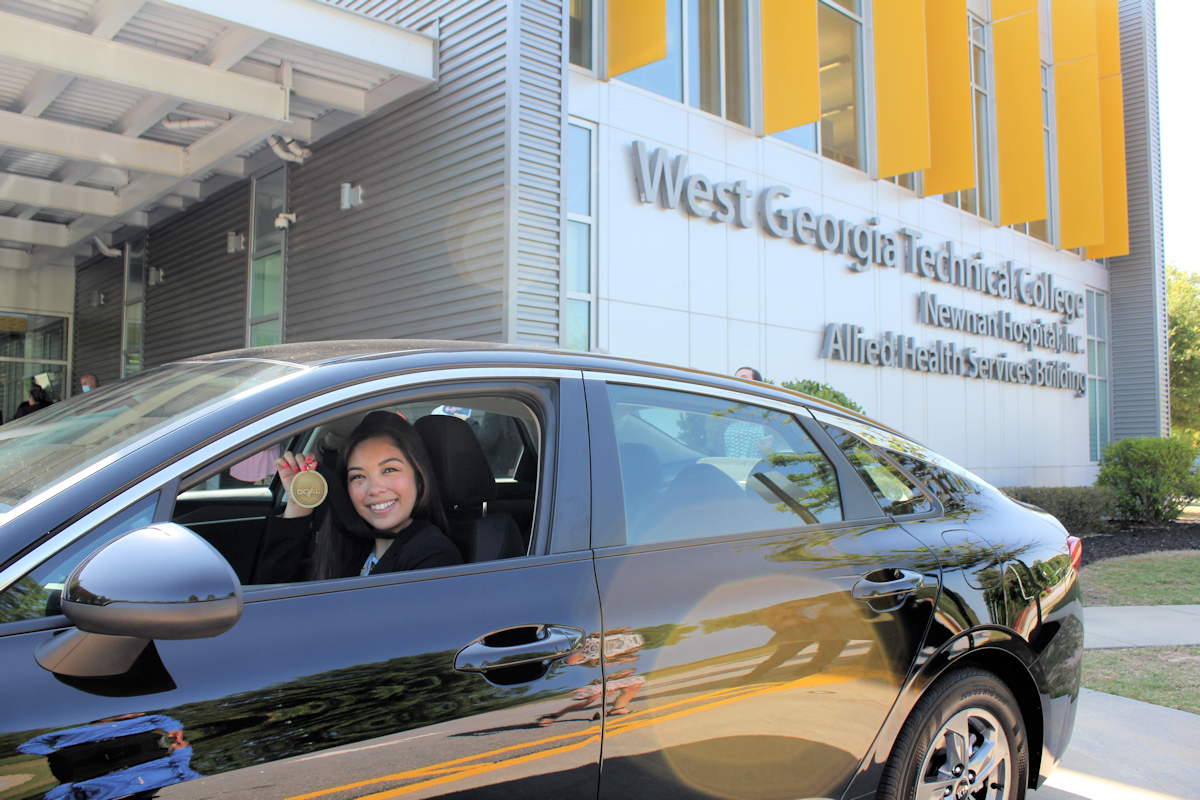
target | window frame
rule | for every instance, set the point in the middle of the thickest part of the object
(66, 364)
(864, 103)
(594, 19)
(592, 221)
(1098, 374)
(254, 253)
(987, 89)
(753, 59)
(859, 506)
(126, 304)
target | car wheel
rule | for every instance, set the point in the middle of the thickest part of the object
(964, 740)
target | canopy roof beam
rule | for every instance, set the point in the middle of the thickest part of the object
(79, 55)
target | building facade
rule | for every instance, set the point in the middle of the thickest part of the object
(947, 209)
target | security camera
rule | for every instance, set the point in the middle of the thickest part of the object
(284, 220)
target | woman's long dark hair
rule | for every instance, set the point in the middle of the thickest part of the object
(40, 395)
(340, 554)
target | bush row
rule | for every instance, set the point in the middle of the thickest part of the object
(1081, 509)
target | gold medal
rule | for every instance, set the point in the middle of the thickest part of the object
(309, 489)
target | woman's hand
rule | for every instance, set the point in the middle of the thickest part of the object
(289, 465)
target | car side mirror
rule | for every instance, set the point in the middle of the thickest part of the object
(157, 582)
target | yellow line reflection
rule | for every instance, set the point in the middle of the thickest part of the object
(459, 768)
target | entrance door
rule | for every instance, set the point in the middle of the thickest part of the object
(760, 617)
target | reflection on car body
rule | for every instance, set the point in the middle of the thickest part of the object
(741, 593)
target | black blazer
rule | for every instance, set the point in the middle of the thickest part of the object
(289, 544)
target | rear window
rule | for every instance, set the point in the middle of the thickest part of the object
(38, 450)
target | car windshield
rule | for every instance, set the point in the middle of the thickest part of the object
(42, 448)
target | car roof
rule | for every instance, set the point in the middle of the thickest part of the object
(318, 354)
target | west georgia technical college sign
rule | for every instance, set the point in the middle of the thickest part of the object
(660, 177)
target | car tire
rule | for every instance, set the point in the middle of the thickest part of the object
(929, 760)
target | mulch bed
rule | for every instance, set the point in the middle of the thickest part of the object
(1131, 540)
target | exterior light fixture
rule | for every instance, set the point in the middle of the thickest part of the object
(351, 196)
(97, 298)
(235, 242)
(154, 276)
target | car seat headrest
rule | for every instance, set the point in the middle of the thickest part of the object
(464, 477)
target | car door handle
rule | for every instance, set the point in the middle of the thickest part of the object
(548, 643)
(894, 582)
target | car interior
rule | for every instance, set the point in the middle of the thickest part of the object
(484, 451)
(692, 471)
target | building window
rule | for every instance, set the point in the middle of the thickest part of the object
(580, 301)
(264, 324)
(32, 347)
(978, 200)
(839, 48)
(581, 33)
(1040, 229)
(135, 309)
(1097, 347)
(715, 52)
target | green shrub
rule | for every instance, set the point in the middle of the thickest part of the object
(1151, 478)
(1081, 509)
(823, 391)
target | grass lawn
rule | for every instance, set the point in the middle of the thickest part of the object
(1164, 676)
(1151, 579)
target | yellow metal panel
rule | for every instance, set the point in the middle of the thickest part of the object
(1020, 148)
(1116, 196)
(1080, 156)
(791, 83)
(637, 34)
(1073, 25)
(901, 87)
(951, 146)
(1001, 9)
(1108, 37)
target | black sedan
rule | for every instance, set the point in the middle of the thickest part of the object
(662, 584)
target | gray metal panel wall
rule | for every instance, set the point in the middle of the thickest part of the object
(97, 337)
(1139, 388)
(536, 171)
(200, 307)
(424, 255)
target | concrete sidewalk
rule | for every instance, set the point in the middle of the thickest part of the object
(1124, 749)
(1128, 750)
(1141, 626)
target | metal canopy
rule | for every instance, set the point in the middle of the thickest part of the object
(118, 113)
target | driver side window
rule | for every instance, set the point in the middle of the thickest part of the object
(483, 458)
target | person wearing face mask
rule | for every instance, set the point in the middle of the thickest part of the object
(382, 514)
(88, 381)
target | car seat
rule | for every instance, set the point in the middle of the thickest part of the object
(465, 482)
(642, 478)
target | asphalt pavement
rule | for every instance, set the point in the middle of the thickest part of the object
(1124, 749)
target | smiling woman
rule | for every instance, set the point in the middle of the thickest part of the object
(383, 493)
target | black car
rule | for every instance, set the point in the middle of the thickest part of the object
(672, 584)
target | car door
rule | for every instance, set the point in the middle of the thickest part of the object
(416, 683)
(761, 611)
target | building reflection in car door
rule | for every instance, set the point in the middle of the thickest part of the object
(329, 694)
(763, 676)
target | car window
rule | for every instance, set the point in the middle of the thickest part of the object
(235, 509)
(894, 442)
(37, 594)
(43, 448)
(954, 491)
(699, 466)
(896, 494)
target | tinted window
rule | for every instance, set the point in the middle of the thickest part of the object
(952, 490)
(38, 593)
(895, 492)
(698, 466)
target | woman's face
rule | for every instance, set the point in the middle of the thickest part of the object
(382, 484)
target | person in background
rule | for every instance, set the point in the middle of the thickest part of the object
(749, 373)
(39, 398)
(88, 381)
